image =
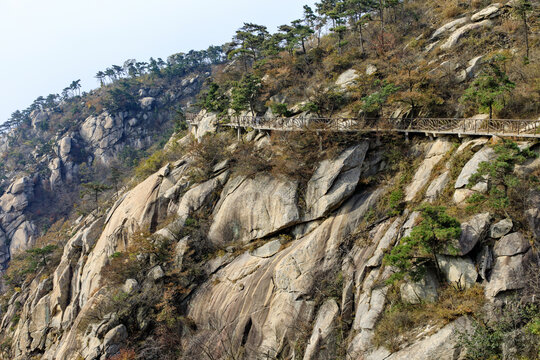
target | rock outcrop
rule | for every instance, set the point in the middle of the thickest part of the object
(275, 255)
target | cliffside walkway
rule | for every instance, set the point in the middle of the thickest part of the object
(427, 126)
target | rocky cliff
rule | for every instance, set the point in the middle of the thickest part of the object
(98, 140)
(297, 271)
(306, 244)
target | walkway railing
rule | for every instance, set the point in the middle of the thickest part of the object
(458, 126)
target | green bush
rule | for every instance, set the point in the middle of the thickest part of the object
(395, 202)
(502, 182)
(414, 253)
(150, 165)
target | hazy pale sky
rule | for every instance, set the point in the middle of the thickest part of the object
(46, 44)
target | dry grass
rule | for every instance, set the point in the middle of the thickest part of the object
(451, 9)
(402, 323)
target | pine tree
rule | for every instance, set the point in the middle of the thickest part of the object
(488, 88)
(433, 235)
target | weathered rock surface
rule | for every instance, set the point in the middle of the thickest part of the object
(260, 297)
(268, 249)
(510, 245)
(423, 173)
(486, 154)
(347, 78)
(450, 26)
(276, 286)
(444, 344)
(454, 38)
(253, 208)
(207, 124)
(487, 13)
(472, 232)
(333, 181)
(437, 186)
(508, 273)
(322, 342)
(459, 272)
(424, 290)
(501, 228)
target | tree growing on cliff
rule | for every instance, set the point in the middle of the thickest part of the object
(94, 189)
(522, 8)
(433, 235)
(248, 42)
(487, 90)
(245, 93)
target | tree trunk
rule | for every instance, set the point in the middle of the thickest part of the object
(361, 39)
(439, 273)
(526, 33)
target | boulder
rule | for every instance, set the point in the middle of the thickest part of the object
(130, 286)
(460, 195)
(23, 238)
(197, 196)
(487, 13)
(322, 343)
(472, 231)
(253, 208)
(156, 273)
(473, 66)
(19, 185)
(508, 273)
(471, 167)
(459, 272)
(512, 244)
(207, 123)
(424, 290)
(371, 69)
(347, 78)
(501, 228)
(334, 181)
(147, 103)
(454, 38)
(451, 26)
(113, 338)
(65, 147)
(474, 145)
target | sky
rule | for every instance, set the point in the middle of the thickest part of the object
(46, 44)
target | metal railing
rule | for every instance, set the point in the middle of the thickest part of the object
(460, 126)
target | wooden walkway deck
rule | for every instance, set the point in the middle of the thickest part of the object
(428, 126)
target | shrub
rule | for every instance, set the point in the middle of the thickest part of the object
(150, 165)
(415, 252)
(125, 354)
(207, 154)
(499, 335)
(395, 202)
(502, 182)
(24, 266)
(401, 322)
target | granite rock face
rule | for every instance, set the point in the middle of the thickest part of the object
(273, 260)
(334, 181)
